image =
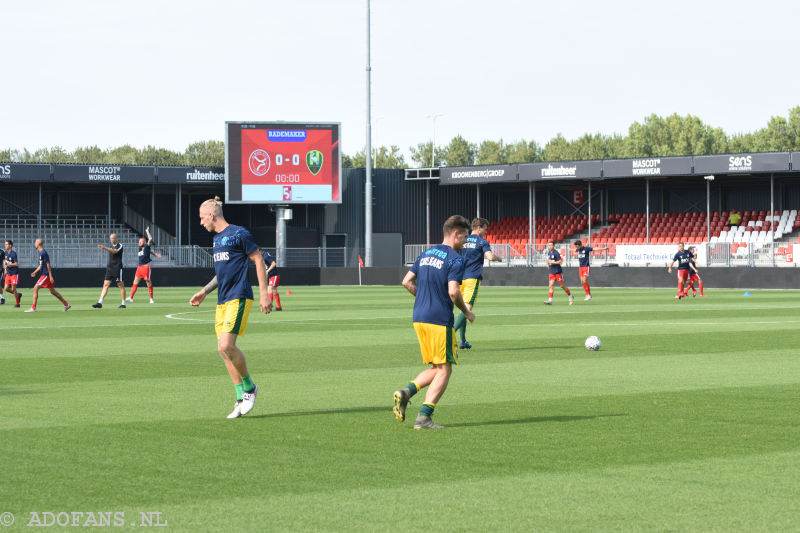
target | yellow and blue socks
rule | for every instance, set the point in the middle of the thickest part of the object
(427, 409)
(412, 388)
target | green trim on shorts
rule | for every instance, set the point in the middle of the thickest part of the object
(475, 291)
(239, 316)
(448, 350)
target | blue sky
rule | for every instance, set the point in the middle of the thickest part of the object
(170, 73)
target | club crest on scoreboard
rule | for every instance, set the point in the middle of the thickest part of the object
(259, 162)
(314, 161)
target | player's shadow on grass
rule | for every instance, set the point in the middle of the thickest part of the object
(534, 420)
(344, 410)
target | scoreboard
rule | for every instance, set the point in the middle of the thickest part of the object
(282, 163)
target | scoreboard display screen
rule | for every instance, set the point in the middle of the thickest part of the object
(282, 163)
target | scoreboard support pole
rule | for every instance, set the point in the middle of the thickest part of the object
(282, 214)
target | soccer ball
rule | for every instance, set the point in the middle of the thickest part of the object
(592, 343)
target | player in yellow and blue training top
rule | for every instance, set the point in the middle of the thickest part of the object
(475, 250)
(435, 280)
(234, 248)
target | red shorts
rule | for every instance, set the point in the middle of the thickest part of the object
(143, 271)
(583, 272)
(694, 277)
(44, 282)
(683, 274)
(557, 277)
(12, 279)
(274, 281)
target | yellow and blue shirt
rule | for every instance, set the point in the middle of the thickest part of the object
(435, 268)
(232, 246)
(473, 253)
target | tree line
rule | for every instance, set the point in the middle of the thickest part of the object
(655, 136)
(202, 153)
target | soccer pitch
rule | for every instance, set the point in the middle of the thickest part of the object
(686, 419)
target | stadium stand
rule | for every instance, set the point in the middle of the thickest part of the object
(665, 228)
(691, 227)
(75, 232)
(515, 232)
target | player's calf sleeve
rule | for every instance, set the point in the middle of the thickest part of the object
(459, 325)
(586, 289)
(277, 299)
(133, 290)
(149, 290)
(701, 287)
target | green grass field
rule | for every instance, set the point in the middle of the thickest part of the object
(686, 420)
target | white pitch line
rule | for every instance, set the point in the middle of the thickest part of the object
(634, 324)
(174, 316)
(95, 326)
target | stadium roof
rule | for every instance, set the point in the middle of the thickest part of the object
(602, 169)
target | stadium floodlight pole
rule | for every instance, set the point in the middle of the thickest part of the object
(39, 214)
(647, 210)
(708, 179)
(589, 235)
(434, 116)
(108, 225)
(772, 217)
(368, 154)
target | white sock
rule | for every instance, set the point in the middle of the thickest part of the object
(100, 301)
